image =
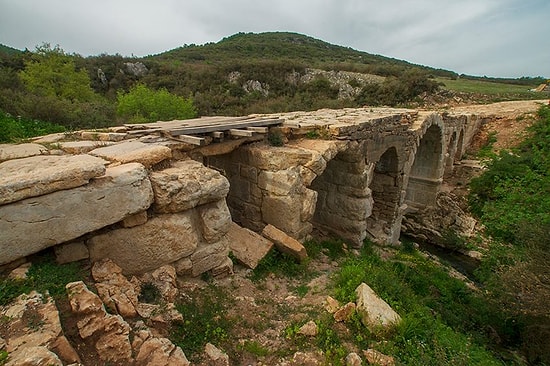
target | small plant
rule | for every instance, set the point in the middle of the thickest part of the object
(255, 348)
(149, 293)
(3, 357)
(301, 290)
(275, 138)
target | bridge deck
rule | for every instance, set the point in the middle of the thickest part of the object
(200, 131)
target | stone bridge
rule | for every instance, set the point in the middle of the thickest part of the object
(149, 200)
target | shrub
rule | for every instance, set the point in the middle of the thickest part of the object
(142, 104)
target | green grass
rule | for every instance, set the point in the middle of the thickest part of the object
(503, 90)
(13, 129)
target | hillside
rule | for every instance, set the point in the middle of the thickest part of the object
(9, 50)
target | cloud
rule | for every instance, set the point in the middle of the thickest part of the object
(492, 37)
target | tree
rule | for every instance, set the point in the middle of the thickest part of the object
(52, 73)
(142, 104)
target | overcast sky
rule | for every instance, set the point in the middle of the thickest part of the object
(505, 38)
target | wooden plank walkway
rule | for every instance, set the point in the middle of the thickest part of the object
(191, 130)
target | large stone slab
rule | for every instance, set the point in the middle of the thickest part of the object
(134, 151)
(247, 246)
(9, 151)
(161, 240)
(186, 185)
(33, 224)
(82, 147)
(38, 175)
(374, 311)
(285, 243)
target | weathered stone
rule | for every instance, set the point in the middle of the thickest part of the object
(9, 152)
(273, 158)
(345, 312)
(20, 273)
(65, 350)
(160, 352)
(37, 223)
(353, 359)
(308, 358)
(38, 175)
(247, 246)
(377, 358)
(374, 311)
(216, 356)
(165, 280)
(134, 151)
(285, 243)
(71, 252)
(309, 329)
(162, 240)
(283, 212)
(215, 218)
(186, 185)
(183, 266)
(82, 300)
(134, 220)
(34, 356)
(117, 293)
(280, 183)
(82, 147)
(331, 305)
(209, 256)
(114, 346)
(102, 136)
(223, 270)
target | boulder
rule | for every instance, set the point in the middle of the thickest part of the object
(161, 240)
(377, 358)
(285, 243)
(33, 224)
(160, 352)
(309, 329)
(9, 151)
(216, 356)
(186, 185)
(374, 311)
(134, 151)
(247, 246)
(353, 359)
(38, 175)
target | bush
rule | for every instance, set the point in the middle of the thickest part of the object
(15, 129)
(142, 104)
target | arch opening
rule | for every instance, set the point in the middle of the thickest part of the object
(385, 188)
(425, 173)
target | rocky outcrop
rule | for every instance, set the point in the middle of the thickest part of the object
(9, 151)
(40, 222)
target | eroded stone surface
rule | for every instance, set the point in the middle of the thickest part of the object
(40, 222)
(38, 175)
(9, 151)
(161, 240)
(134, 151)
(186, 185)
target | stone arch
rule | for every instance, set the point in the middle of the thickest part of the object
(386, 193)
(425, 174)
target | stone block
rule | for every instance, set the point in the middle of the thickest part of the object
(82, 147)
(38, 175)
(247, 246)
(162, 240)
(139, 218)
(285, 243)
(273, 158)
(186, 185)
(33, 224)
(71, 252)
(19, 151)
(280, 183)
(209, 256)
(215, 218)
(134, 151)
(283, 212)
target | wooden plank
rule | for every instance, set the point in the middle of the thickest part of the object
(192, 140)
(225, 126)
(243, 133)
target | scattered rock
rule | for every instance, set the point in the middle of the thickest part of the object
(165, 280)
(309, 329)
(376, 358)
(373, 310)
(353, 359)
(117, 293)
(158, 352)
(285, 243)
(331, 305)
(308, 358)
(217, 356)
(20, 273)
(345, 312)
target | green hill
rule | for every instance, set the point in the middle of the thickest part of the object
(9, 50)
